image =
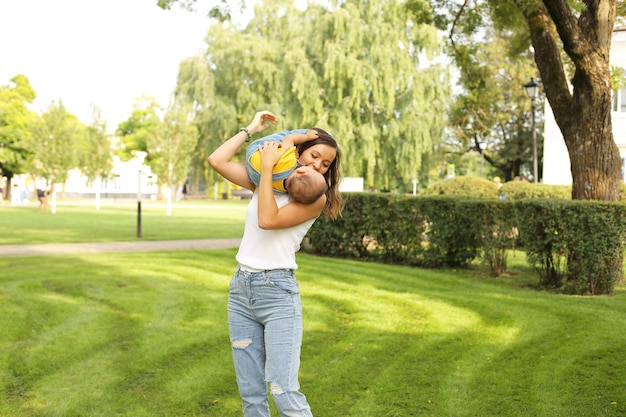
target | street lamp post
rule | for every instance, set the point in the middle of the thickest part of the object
(532, 89)
(139, 203)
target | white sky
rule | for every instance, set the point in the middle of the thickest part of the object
(100, 52)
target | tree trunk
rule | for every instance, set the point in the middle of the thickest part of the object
(594, 156)
(581, 109)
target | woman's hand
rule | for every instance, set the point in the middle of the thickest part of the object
(258, 124)
(222, 158)
(270, 155)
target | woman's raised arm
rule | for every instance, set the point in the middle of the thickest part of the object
(221, 158)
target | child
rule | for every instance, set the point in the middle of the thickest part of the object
(302, 183)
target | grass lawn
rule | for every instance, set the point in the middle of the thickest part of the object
(79, 221)
(145, 334)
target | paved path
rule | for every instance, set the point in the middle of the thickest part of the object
(137, 246)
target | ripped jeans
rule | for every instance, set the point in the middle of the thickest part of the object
(265, 322)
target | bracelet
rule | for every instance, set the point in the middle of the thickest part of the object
(243, 129)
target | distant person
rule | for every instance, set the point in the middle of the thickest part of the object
(303, 184)
(185, 189)
(498, 182)
(42, 196)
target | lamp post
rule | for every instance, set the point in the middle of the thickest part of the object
(532, 89)
(139, 202)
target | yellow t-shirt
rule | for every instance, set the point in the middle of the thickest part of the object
(286, 163)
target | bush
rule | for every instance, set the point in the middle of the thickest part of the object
(466, 186)
(522, 190)
(575, 246)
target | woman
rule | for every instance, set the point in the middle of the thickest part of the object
(264, 307)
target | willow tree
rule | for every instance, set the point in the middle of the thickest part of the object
(213, 119)
(359, 70)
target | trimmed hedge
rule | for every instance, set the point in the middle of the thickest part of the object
(469, 186)
(466, 186)
(575, 246)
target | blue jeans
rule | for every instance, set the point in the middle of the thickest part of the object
(265, 322)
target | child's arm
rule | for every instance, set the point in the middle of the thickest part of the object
(298, 138)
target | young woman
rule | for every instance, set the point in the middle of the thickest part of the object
(264, 307)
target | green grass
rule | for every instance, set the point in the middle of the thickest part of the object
(145, 334)
(76, 222)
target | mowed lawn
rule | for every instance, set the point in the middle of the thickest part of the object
(117, 221)
(145, 334)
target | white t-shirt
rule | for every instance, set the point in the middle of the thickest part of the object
(269, 249)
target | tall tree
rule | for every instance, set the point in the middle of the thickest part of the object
(96, 152)
(53, 144)
(571, 40)
(195, 88)
(492, 108)
(169, 141)
(135, 131)
(218, 9)
(362, 74)
(584, 112)
(171, 147)
(15, 118)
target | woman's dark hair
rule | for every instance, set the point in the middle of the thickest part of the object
(334, 199)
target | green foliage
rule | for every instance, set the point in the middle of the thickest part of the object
(96, 151)
(426, 231)
(492, 108)
(462, 186)
(446, 231)
(53, 144)
(171, 145)
(15, 118)
(521, 190)
(359, 70)
(513, 190)
(574, 245)
(137, 129)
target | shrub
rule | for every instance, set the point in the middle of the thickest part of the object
(466, 186)
(521, 190)
(574, 246)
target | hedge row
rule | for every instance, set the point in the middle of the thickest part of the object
(470, 186)
(574, 246)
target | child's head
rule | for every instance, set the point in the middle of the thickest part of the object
(305, 185)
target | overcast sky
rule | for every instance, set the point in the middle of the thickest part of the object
(100, 52)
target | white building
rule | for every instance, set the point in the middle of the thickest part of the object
(556, 163)
(127, 180)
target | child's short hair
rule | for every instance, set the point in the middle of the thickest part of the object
(307, 189)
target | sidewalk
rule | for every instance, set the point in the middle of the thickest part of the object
(139, 246)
